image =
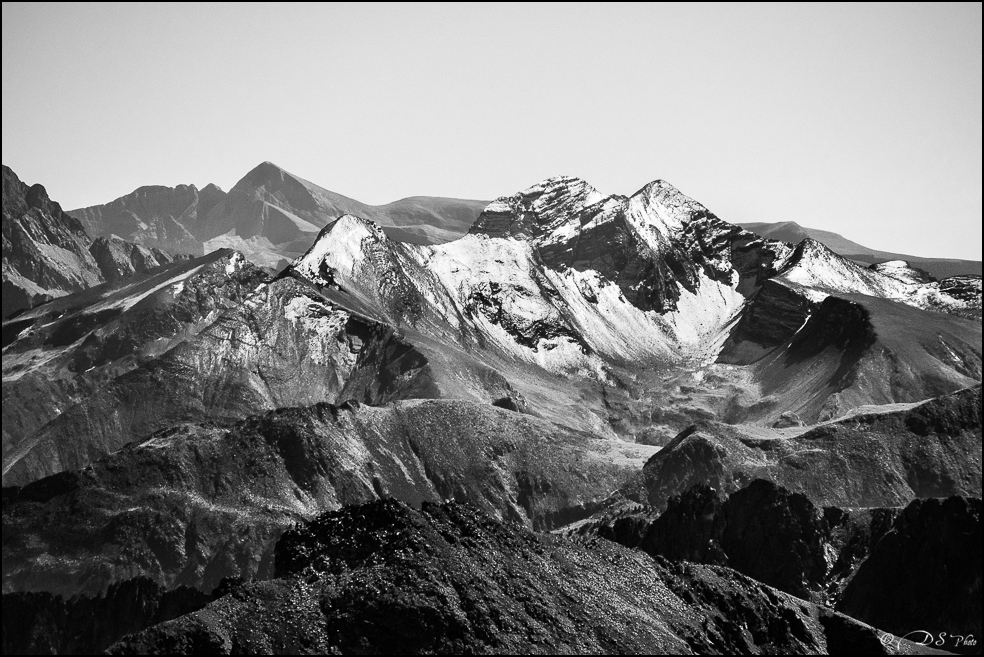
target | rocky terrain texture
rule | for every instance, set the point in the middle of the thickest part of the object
(446, 579)
(60, 354)
(925, 573)
(280, 343)
(46, 624)
(581, 284)
(919, 566)
(790, 231)
(270, 215)
(574, 358)
(531, 309)
(894, 568)
(880, 458)
(48, 254)
(200, 502)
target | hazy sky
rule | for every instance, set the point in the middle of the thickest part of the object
(861, 119)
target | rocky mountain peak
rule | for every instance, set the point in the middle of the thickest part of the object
(662, 206)
(539, 210)
(270, 184)
(341, 245)
(903, 271)
(263, 173)
(19, 197)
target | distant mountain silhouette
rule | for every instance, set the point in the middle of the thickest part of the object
(790, 231)
(271, 216)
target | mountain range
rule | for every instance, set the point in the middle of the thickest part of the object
(47, 253)
(362, 433)
(790, 231)
(270, 215)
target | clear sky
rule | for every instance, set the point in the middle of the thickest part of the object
(860, 119)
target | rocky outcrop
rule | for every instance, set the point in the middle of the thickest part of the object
(46, 624)
(771, 319)
(446, 579)
(45, 251)
(881, 459)
(118, 259)
(56, 356)
(199, 502)
(913, 572)
(48, 253)
(652, 245)
(762, 530)
(925, 574)
(153, 216)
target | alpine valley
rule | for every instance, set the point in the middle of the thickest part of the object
(280, 420)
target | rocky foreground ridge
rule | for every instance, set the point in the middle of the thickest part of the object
(383, 577)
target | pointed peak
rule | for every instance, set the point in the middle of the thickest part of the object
(811, 248)
(340, 244)
(263, 173)
(655, 187)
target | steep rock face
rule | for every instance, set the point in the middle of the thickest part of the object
(45, 624)
(196, 503)
(817, 271)
(281, 346)
(771, 320)
(856, 350)
(650, 245)
(153, 216)
(118, 259)
(45, 251)
(385, 578)
(821, 351)
(878, 459)
(896, 569)
(58, 355)
(557, 275)
(925, 574)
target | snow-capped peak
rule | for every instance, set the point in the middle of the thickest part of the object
(340, 246)
(903, 271)
(661, 206)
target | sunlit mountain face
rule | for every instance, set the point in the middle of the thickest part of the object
(277, 419)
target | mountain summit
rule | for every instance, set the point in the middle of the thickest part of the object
(271, 215)
(574, 361)
(47, 253)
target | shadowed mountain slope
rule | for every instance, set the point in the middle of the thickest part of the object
(270, 215)
(385, 578)
(896, 568)
(48, 254)
(199, 502)
(876, 458)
